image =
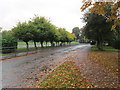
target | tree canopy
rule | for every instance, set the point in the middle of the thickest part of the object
(100, 8)
(40, 29)
(97, 28)
(23, 32)
(76, 32)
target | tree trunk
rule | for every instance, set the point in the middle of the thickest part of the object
(35, 45)
(61, 43)
(100, 42)
(51, 43)
(46, 43)
(41, 42)
(100, 45)
(27, 45)
(67, 43)
(56, 44)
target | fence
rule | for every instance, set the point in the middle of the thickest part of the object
(9, 52)
(16, 52)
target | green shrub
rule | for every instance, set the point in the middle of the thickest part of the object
(9, 43)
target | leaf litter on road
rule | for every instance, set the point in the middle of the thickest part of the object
(107, 60)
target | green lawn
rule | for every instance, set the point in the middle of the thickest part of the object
(38, 43)
(30, 43)
(105, 48)
(75, 42)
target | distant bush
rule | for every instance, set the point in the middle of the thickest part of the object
(9, 43)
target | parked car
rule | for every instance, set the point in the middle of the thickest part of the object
(92, 42)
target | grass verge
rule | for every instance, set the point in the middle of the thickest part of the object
(105, 48)
(65, 76)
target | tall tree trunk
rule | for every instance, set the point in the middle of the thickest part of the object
(56, 44)
(67, 43)
(61, 43)
(46, 43)
(100, 45)
(41, 42)
(35, 45)
(51, 43)
(27, 45)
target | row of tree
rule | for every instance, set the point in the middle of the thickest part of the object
(40, 29)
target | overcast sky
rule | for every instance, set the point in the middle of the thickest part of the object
(62, 13)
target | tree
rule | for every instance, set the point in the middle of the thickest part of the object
(97, 29)
(100, 8)
(34, 33)
(63, 33)
(52, 34)
(76, 32)
(23, 32)
(82, 36)
(58, 37)
(115, 41)
(70, 37)
(41, 25)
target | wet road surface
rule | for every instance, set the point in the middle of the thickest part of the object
(27, 70)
